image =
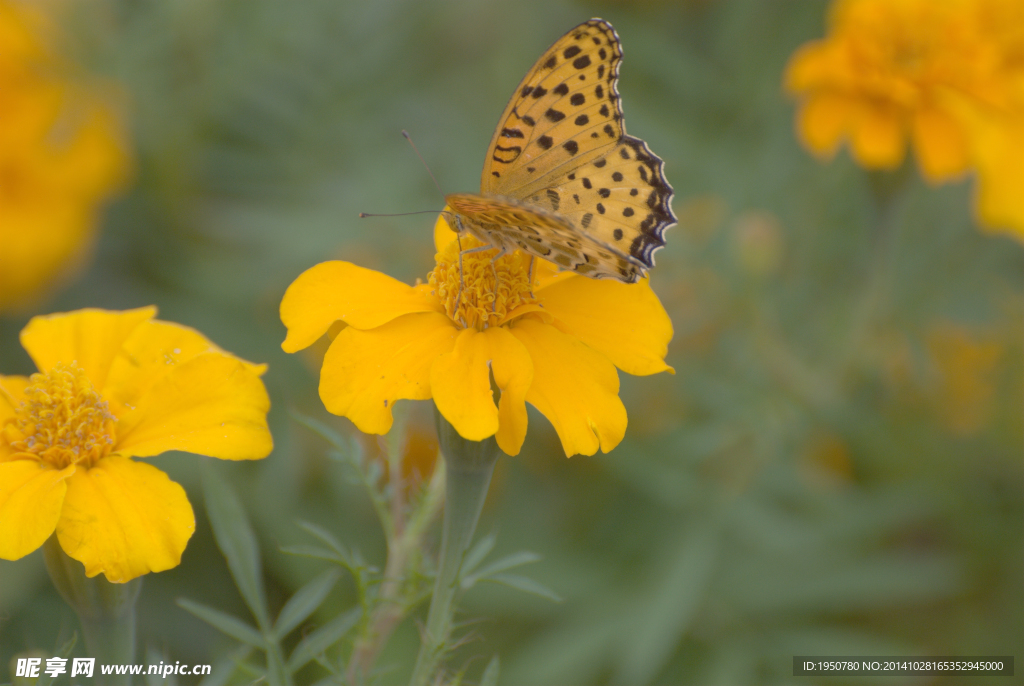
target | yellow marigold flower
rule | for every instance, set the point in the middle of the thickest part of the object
(112, 386)
(555, 347)
(947, 76)
(61, 157)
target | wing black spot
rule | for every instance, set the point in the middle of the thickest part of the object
(531, 169)
(594, 135)
(550, 64)
(526, 91)
(587, 184)
(571, 176)
(496, 174)
(643, 173)
(545, 142)
(511, 133)
(600, 208)
(633, 191)
(600, 163)
(572, 146)
(600, 71)
(581, 62)
(623, 153)
(539, 92)
(554, 115)
(585, 221)
(598, 91)
(554, 198)
(576, 198)
(528, 120)
(617, 176)
(628, 212)
(610, 130)
(618, 234)
(577, 99)
(603, 192)
(571, 51)
(604, 110)
(582, 120)
(602, 53)
(560, 89)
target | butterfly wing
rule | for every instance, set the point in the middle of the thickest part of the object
(514, 224)
(564, 113)
(561, 143)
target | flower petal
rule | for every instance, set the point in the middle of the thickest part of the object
(575, 387)
(513, 374)
(341, 291)
(124, 518)
(31, 496)
(212, 405)
(823, 121)
(154, 350)
(625, 322)
(877, 137)
(364, 372)
(998, 197)
(940, 145)
(460, 382)
(90, 337)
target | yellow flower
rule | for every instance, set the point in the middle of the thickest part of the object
(556, 347)
(112, 386)
(61, 157)
(946, 76)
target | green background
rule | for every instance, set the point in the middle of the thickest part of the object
(803, 484)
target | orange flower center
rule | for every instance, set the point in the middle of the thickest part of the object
(63, 420)
(484, 290)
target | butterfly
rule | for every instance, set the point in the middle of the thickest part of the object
(562, 180)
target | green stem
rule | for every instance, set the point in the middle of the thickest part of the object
(469, 466)
(105, 610)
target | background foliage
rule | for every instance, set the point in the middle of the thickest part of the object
(836, 466)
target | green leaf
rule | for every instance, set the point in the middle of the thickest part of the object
(522, 583)
(305, 601)
(323, 638)
(237, 541)
(523, 557)
(322, 430)
(477, 553)
(326, 537)
(45, 679)
(490, 675)
(224, 668)
(315, 552)
(225, 623)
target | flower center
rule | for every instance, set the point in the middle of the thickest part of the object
(485, 290)
(63, 420)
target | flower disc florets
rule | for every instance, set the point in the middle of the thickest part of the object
(490, 289)
(63, 420)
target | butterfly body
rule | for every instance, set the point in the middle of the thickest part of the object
(562, 180)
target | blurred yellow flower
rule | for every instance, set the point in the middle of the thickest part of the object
(61, 157)
(947, 76)
(112, 386)
(555, 347)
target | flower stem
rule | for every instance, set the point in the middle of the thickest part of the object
(468, 469)
(106, 611)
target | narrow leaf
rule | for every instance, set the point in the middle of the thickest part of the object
(225, 623)
(477, 554)
(490, 675)
(322, 430)
(522, 583)
(523, 557)
(327, 538)
(315, 552)
(236, 540)
(323, 638)
(305, 601)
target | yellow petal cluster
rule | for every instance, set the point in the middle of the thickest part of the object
(512, 325)
(112, 386)
(61, 157)
(943, 76)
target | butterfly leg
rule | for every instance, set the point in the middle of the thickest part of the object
(530, 272)
(494, 270)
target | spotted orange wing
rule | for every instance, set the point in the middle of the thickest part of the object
(561, 146)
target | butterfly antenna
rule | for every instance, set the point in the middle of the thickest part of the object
(417, 151)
